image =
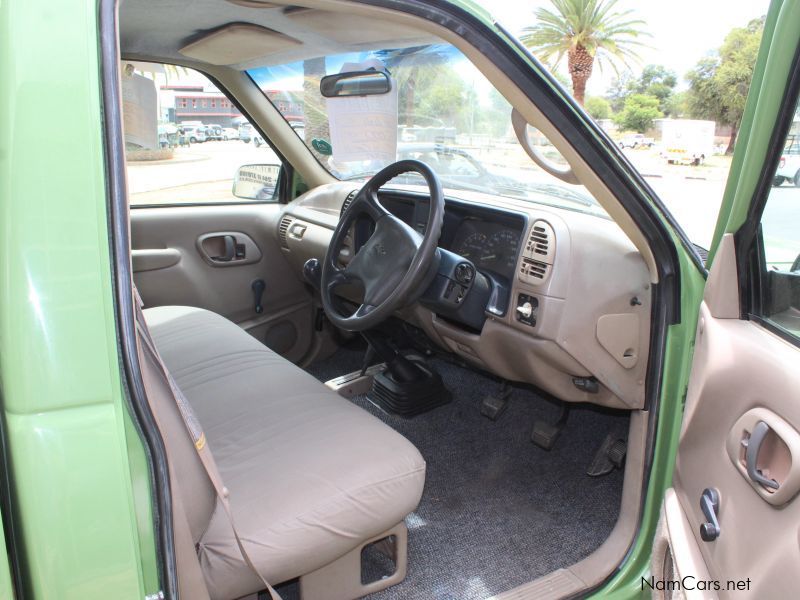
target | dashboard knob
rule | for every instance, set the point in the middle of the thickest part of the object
(465, 273)
(526, 310)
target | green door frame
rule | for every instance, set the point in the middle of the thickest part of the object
(80, 498)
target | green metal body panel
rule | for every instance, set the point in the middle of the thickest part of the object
(73, 465)
(6, 588)
(82, 493)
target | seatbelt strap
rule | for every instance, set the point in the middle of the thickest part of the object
(196, 433)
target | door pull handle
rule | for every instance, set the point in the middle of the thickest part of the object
(229, 249)
(752, 445)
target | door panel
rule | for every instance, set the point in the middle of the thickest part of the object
(179, 257)
(742, 374)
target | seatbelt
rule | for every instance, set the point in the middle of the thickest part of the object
(195, 432)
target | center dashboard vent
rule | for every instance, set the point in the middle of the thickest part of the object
(537, 257)
(348, 201)
(283, 227)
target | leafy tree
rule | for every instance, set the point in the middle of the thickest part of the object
(675, 106)
(639, 113)
(719, 83)
(621, 87)
(599, 108)
(584, 31)
(655, 80)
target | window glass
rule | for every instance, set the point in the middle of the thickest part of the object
(186, 143)
(438, 108)
(780, 229)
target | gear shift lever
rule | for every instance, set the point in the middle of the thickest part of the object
(312, 271)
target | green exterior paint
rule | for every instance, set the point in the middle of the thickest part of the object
(6, 589)
(74, 467)
(773, 67)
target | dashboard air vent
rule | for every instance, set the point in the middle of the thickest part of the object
(283, 227)
(348, 201)
(538, 254)
(533, 270)
(539, 241)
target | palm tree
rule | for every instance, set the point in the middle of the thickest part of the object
(584, 31)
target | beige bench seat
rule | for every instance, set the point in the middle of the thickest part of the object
(311, 476)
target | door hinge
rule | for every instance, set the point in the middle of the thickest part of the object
(159, 595)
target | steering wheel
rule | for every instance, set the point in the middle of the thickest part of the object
(393, 262)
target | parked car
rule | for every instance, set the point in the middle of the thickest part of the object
(636, 140)
(229, 133)
(789, 164)
(195, 133)
(214, 133)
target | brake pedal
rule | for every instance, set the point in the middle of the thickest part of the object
(610, 456)
(546, 434)
(494, 406)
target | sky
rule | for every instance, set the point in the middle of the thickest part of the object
(683, 31)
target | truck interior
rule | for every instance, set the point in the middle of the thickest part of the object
(417, 380)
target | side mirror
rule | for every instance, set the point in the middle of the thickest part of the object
(256, 182)
(355, 83)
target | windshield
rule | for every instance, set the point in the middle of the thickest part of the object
(440, 110)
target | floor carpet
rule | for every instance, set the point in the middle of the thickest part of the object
(497, 511)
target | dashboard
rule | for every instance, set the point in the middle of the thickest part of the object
(562, 301)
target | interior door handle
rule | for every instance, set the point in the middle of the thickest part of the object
(228, 249)
(765, 449)
(229, 253)
(753, 445)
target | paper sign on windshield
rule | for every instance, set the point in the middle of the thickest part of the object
(364, 127)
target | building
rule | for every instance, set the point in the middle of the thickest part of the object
(194, 103)
(211, 107)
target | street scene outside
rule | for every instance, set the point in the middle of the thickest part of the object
(676, 119)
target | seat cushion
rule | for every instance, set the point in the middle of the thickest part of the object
(310, 475)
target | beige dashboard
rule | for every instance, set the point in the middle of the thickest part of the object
(578, 320)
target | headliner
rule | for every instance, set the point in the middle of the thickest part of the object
(158, 29)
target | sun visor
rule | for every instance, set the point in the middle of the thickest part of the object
(237, 43)
(346, 29)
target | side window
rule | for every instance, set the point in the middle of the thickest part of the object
(186, 143)
(780, 236)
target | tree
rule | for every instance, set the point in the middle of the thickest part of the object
(599, 108)
(719, 83)
(675, 106)
(655, 80)
(639, 113)
(584, 31)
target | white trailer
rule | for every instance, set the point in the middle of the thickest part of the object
(687, 141)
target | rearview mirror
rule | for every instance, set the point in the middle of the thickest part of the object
(355, 83)
(256, 182)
